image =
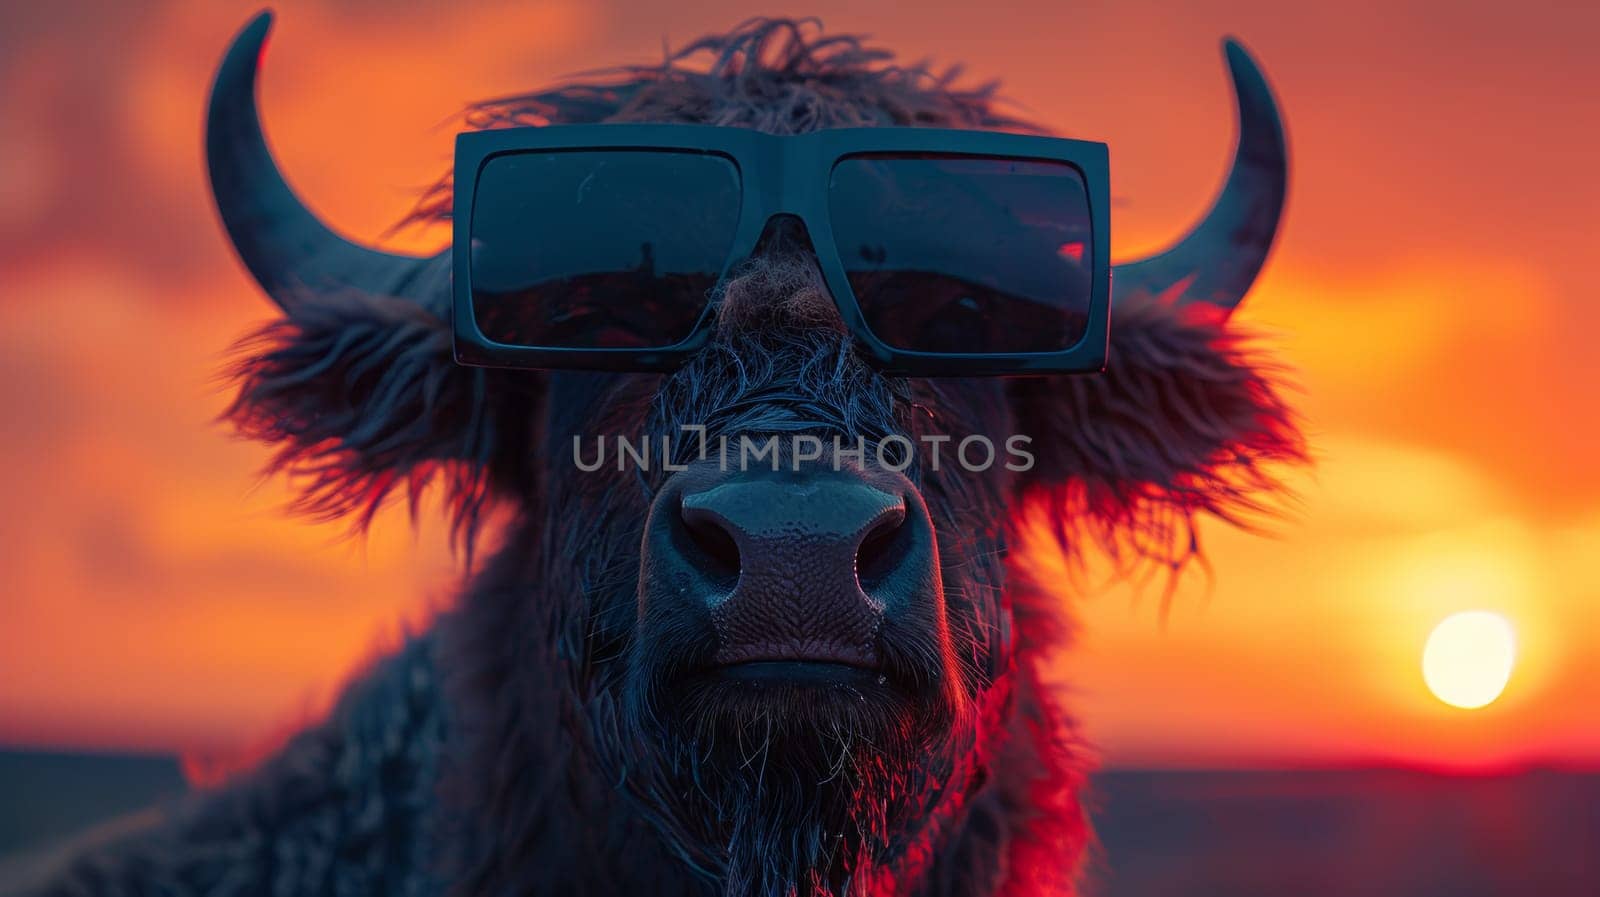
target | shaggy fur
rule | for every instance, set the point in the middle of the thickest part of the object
(358, 395)
(341, 809)
(1188, 419)
(775, 75)
(532, 742)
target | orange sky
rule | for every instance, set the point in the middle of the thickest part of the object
(1431, 285)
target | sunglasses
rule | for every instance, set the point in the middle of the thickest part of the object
(947, 253)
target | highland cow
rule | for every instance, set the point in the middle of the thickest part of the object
(864, 709)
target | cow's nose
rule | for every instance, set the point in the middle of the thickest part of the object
(804, 565)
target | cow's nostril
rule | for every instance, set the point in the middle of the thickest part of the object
(881, 551)
(714, 549)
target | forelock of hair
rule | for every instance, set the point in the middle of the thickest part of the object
(777, 75)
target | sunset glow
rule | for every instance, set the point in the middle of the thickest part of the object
(1432, 288)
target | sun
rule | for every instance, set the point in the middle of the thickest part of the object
(1468, 658)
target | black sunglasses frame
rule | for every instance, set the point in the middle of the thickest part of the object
(786, 175)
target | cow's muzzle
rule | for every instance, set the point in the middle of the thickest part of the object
(798, 570)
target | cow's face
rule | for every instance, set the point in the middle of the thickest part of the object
(796, 655)
(802, 654)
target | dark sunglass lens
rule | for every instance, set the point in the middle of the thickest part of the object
(599, 249)
(965, 255)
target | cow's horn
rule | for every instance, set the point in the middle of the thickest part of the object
(1219, 259)
(287, 248)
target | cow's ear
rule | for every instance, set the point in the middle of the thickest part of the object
(355, 385)
(1189, 418)
(362, 399)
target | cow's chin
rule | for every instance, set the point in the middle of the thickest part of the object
(798, 775)
(804, 717)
